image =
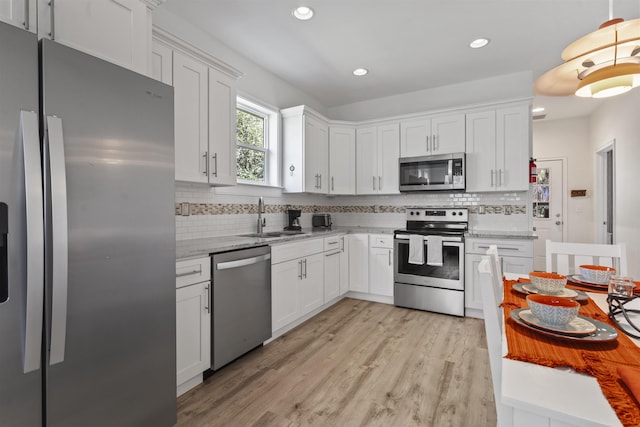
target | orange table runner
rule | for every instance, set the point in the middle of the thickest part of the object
(599, 360)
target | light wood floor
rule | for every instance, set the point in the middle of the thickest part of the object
(356, 364)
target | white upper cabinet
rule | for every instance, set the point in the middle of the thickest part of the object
(222, 128)
(377, 152)
(498, 149)
(306, 151)
(342, 160)
(118, 31)
(190, 111)
(432, 135)
(21, 13)
(205, 115)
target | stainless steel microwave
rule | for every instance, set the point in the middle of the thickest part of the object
(438, 172)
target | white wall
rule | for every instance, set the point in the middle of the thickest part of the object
(256, 81)
(506, 87)
(569, 138)
(618, 119)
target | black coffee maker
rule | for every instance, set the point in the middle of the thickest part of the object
(294, 221)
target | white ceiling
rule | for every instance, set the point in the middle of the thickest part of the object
(407, 45)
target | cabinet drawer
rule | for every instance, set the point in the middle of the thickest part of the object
(302, 248)
(332, 243)
(192, 271)
(506, 247)
(381, 241)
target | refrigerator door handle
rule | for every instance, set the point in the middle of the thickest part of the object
(59, 233)
(35, 240)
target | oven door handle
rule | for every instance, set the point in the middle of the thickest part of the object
(404, 238)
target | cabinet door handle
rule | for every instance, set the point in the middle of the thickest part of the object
(300, 274)
(331, 183)
(215, 163)
(379, 183)
(500, 248)
(427, 138)
(320, 181)
(374, 183)
(492, 173)
(206, 300)
(500, 177)
(189, 273)
(52, 21)
(25, 24)
(205, 157)
(305, 268)
(433, 143)
(390, 257)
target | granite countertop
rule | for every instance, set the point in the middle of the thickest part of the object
(195, 248)
(501, 234)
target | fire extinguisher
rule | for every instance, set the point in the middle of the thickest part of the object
(533, 170)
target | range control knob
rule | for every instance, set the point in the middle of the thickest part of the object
(460, 213)
(453, 213)
(411, 213)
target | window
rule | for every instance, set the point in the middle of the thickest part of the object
(256, 144)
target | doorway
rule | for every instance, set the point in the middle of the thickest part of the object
(605, 193)
(549, 197)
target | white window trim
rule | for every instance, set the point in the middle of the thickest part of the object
(272, 140)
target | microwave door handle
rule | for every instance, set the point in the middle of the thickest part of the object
(450, 171)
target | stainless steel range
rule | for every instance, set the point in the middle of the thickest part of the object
(429, 267)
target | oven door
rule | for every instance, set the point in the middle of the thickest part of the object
(448, 276)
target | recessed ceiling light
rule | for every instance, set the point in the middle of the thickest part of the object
(360, 72)
(537, 110)
(478, 43)
(303, 13)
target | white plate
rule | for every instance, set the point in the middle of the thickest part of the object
(578, 326)
(568, 293)
(577, 278)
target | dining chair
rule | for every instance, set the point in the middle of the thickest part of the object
(569, 256)
(491, 294)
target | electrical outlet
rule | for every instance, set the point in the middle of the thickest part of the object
(184, 209)
(376, 208)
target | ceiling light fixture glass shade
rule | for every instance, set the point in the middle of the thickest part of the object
(360, 72)
(601, 64)
(303, 13)
(478, 43)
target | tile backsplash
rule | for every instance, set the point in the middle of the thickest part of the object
(216, 211)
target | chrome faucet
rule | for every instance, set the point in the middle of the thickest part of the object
(261, 221)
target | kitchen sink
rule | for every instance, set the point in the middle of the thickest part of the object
(274, 234)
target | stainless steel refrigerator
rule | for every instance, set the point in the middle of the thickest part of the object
(87, 240)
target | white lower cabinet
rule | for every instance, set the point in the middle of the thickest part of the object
(344, 265)
(359, 262)
(297, 280)
(516, 256)
(193, 322)
(381, 264)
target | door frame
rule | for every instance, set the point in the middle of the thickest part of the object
(565, 193)
(600, 199)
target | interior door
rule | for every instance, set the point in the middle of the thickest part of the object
(548, 196)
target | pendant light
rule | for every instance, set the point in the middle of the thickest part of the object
(601, 64)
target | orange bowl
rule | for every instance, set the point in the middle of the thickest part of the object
(548, 283)
(553, 310)
(597, 273)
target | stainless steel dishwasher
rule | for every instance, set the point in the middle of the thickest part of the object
(241, 301)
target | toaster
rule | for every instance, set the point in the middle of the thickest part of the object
(321, 221)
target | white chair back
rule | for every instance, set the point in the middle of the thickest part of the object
(566, 258)
(491, 289)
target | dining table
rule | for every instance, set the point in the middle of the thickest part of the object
(539, 395)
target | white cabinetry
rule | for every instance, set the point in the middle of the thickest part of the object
(193, 321)
(516, 256)
(336, 267)
(205, 115)
(20, 13)
(498, 147)
(432, 135)
(377, 153)
(381, 264)
(297, 280)
(342, 160)
(118, 31)
(359, 262)
(306, 151)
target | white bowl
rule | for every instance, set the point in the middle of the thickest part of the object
(597, 273)
(552, 310)
(548, 283)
